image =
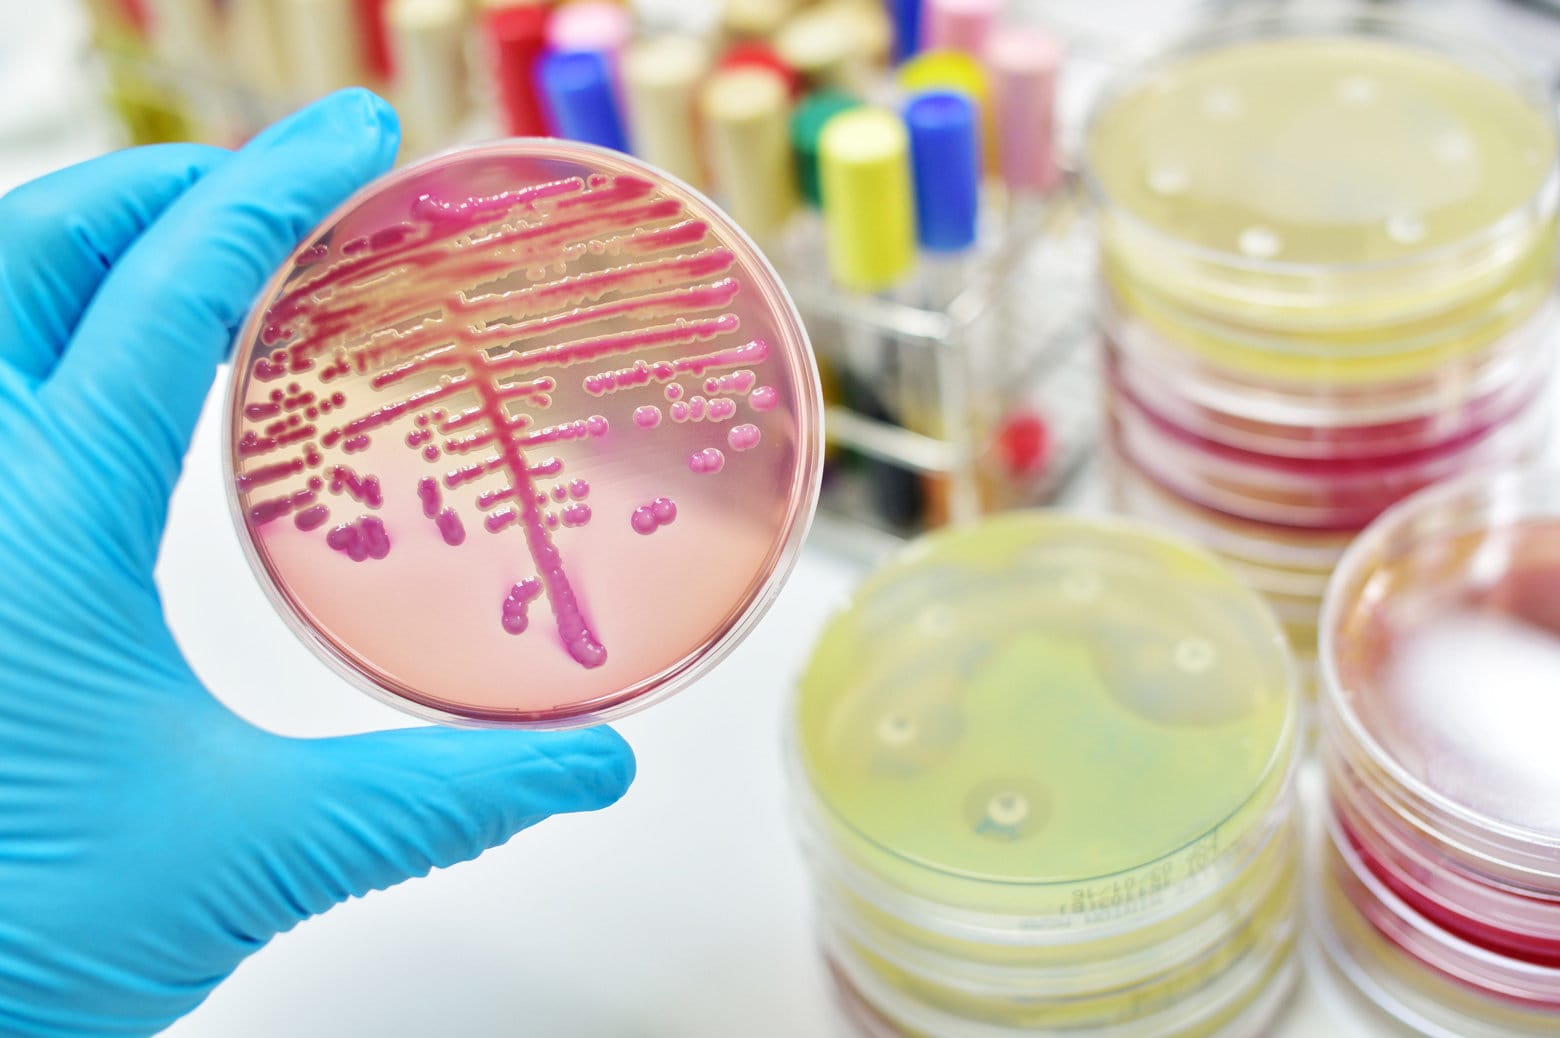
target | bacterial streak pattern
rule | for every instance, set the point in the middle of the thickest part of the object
(451, 331)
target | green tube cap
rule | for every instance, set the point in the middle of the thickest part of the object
(807, 123)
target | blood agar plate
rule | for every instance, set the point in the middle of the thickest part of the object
(525, 434)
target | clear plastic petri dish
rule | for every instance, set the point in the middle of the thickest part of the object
(1441, 658)
(1248, 544)
(1239, 1000)
(1041, 762)
(524, 434)
(1353, 961)
(1325, 494)
(1379, 419)
(1326, 197)
(1476, 909)
(1082, 984)
(1517, 985)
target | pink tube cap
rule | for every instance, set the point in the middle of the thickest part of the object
(959, 24)
(1023, 65)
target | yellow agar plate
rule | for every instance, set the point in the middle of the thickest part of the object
(1046, 714)
(1307, 190)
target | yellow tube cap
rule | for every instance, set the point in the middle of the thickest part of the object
(864, 175)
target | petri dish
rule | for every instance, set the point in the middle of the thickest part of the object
(1440, 653)
(1337, 494)
(1327, 258)
(1323, 197)
(1045, 764)
(1441, 648)
(524, 434)
(966, 724)
(1370, 957)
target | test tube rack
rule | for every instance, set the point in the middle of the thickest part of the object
(1006, 371)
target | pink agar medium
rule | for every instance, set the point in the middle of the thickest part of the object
(447, 395)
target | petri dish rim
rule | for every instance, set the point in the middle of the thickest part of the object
(1439, 949)
(1274, 783)
(1424, 33)
(1252, 989)
(1351, 979)
(784, 553)
(1506, 493)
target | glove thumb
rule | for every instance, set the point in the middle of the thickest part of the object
(389, 806)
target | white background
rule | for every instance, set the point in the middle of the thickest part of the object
(683, 911)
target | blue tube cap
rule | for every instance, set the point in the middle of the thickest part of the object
(906, 15)
(577, 88)
(945, 163)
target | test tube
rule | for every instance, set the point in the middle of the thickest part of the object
(599, 25)
(761, 55)
(964, 25)
(580, 99)
(945, 159)
(184, 33)
(869, 224)
(321, 37)
(661, 76)
(907, 17)
(515, 38)
(839, 43)
(954, 70)
(1023, 64)
(428, 43)
(755, 19)
(254, 39)
(945, 165)
(746, 112)
(808, 119)
(864, 173)
(374, 36)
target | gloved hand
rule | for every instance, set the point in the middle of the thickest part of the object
(149, 838)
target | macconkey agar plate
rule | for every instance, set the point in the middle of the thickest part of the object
(525, 434)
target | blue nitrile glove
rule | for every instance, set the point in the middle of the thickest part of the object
(149, 838)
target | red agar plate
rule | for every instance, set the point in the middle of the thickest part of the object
(526, 434)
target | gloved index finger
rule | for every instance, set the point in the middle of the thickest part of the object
(146, 350)
(64, 231)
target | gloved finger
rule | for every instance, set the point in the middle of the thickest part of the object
(137, 372)
(392, 805)
(64, 231)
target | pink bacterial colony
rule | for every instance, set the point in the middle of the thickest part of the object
(650, 518)
(474, 357)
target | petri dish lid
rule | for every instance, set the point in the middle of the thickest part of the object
(1441, 661)
(1044, 699)
(1318, 170)
(524, 434)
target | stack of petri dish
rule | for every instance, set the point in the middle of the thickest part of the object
(1438, 889)
(1044, 769)
(1327, 264)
